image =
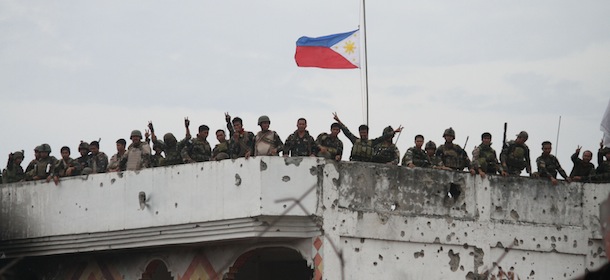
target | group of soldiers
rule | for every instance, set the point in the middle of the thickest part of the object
(515, 155)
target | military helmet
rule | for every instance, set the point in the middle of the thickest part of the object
(449, 132)
(135, 133)
(523, 134)
(38, 148)
(430, 145)
(83, 145)
(45, 148)
(262, 119)
(169, 138)
(388, 130)
(18, 154)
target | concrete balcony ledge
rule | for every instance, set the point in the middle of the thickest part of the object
(184, 203)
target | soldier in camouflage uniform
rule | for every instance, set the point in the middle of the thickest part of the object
(14, 172)
(170, 146)
(515, 156)
(330, 146)
(83, 160)
(362, 149)
(484, 157)
(33, 162)
(583, 169)
(416, 156)
(433, 161)
(221, 150)
(267, 142)
(115, 160)
(198, 149)
(45, 166)
(66, 166)
(300, 143)
(386, 151)
(453, 155)
(241, 142)
(548, 165)
(138, 153)
(98, 161)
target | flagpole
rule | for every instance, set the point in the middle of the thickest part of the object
(366, 64)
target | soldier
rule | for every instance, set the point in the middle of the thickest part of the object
(83, 160)
(98, 161)
(386, 151)
(115, 160)
(170, 146)
(433, 161)
(14, 172)
(198, 149)
(138, 153)
(602, 173)
(267, 142)
(515, 156)
(157, 158)
(453, 155)
(66, 166)
(300, 143)
(583, 169)
(241, 142)
(221, 150)
(484, 157)
(44, 168)
(330, 146)
(362, 149)
(33, 162)
(416, 156)
(548, 165)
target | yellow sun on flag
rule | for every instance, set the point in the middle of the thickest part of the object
(349, 47)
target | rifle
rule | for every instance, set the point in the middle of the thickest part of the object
(504, 139)
(466, 143)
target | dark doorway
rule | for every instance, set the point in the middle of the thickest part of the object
(156, 270)
(274, 263)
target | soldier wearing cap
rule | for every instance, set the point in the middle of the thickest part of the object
(329, 145)
(138, 153)
(484, 157)
(13, 172)
(453, 156)
(515, 156)
(267, 142)
(434, 161)
(386, 151)
(548, 165)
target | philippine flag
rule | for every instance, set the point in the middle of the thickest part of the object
(337, 51)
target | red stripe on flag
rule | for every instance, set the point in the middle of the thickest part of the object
(321, 57)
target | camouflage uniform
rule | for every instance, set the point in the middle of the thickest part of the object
(13, 172)
(515, 157)
(362, 150)
(221, 151)
(98, 162)
(548, 166)
(62, 166)
(386, 153)
(581, 168)
(334, 146)
(296, 146)
(115, 161)
(265, 141)
(173, 149)
(42, 169)
(484, 157)
(196, 150)
(435, 162)
(453, 156)
(416, 156)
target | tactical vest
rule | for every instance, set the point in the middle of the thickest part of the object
(453, 157)
(516, 158)
(384, 154)
(362, 150)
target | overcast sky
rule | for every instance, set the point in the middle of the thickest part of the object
(83, 70)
